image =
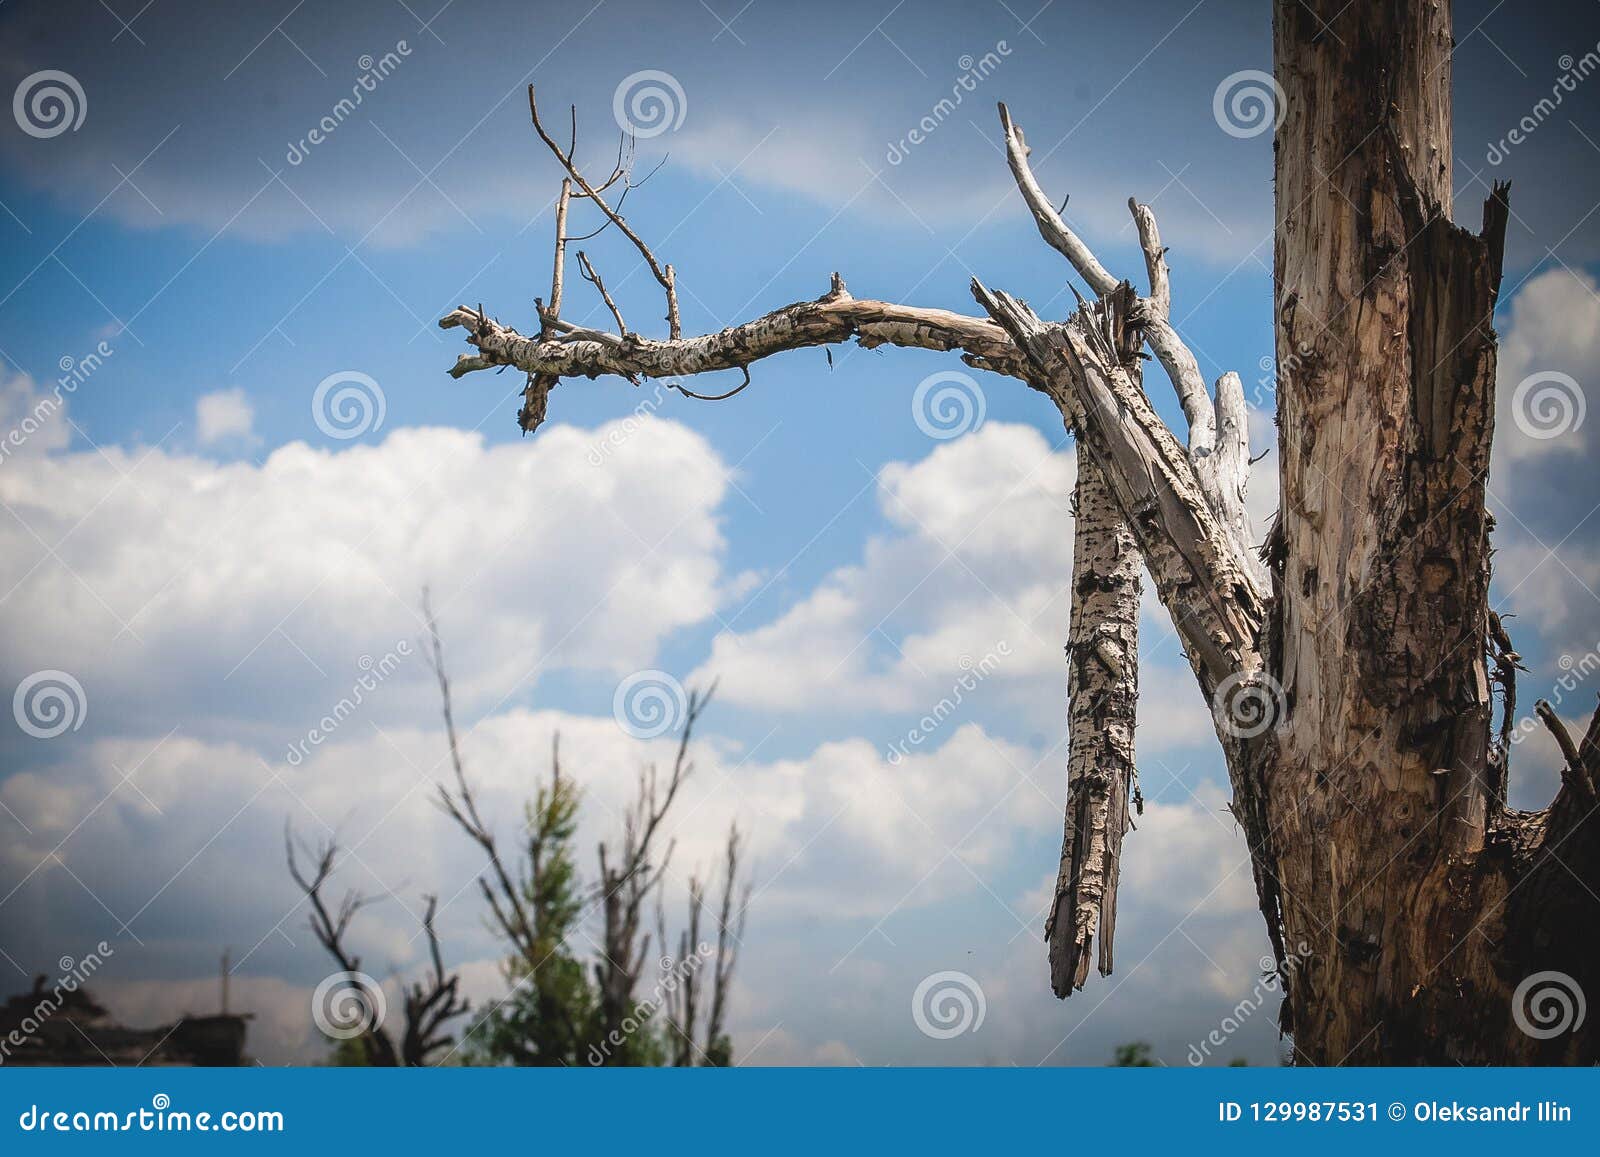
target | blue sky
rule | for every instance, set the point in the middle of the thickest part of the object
(211, 565)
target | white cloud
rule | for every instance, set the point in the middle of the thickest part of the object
(529, 557)
(843, 843)
(1554, 328)
(234, 579)
(224, 415)
(981, 555)
(32, 421)
(977, 566)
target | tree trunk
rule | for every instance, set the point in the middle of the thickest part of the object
(1407, 892)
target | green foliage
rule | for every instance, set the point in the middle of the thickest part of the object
(552, 1015)
(720, 1054)
(1135, 1055)
(350, 1053)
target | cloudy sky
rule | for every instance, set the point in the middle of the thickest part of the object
(232, 459)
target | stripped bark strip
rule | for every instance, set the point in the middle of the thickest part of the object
(1102, 701)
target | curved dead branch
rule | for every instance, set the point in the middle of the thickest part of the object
(835, 317)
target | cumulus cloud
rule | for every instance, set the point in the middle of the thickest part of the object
(846, 844)
(33, 421)
(1554, 330)
(1542, 493)
(972, 575)
(230, 579)
(981, 545)
(163, 819)
(224, 415)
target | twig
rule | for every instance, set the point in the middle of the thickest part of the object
(593, 279)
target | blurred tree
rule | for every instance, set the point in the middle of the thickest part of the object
(558, 1011)
(1134, 1055)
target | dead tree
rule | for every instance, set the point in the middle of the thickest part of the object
(1346, 661)
(690, 1042)
(528, 905)
(431, 1003)
(629, 881)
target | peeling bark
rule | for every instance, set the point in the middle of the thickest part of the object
(1399, 867)
(832, 318)
(1102, 700)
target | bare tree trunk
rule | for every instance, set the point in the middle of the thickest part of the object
(1102, 701)
(1402, 882)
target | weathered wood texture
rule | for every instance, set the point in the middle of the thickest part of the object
(1102, 702)
(1396, 862)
